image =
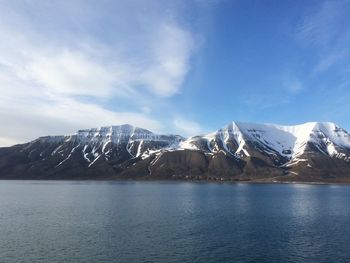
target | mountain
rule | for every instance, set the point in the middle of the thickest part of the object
(308, 152)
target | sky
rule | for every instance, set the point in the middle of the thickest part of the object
(171, 66)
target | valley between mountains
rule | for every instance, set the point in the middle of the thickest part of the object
(310, 152)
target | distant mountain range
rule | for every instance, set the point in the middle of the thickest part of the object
(310, 152)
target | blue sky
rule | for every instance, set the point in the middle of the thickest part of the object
(183, 67)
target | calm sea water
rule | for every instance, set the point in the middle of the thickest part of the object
(45, 221)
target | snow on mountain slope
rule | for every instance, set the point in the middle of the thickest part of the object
(240, 151)
(116, 134)
(113, 142)
(332, 140)
(289, 142)
(281, 144)
(229, 139)
(134, 137)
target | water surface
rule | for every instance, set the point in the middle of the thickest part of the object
(60, 221)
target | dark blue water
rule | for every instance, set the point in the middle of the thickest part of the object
(173, 222)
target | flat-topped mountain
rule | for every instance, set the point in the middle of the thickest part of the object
(315, 151)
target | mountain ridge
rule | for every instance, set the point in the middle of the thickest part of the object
(240, 151)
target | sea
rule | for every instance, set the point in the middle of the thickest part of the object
(165, 221)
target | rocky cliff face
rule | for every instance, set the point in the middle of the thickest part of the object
(239, 151)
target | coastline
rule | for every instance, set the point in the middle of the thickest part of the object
(257, 182)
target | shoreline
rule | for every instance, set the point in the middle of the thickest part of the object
(257, 182)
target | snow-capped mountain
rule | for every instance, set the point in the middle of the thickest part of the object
(284, 144)
(240, 151)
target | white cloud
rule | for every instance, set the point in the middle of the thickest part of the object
(172, 51)
(56, 83)
(70, 73)
(29, 120)
(161, 69)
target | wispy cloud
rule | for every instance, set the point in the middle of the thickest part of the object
(56, 68)
(291, 84)
(319, 25)
(330, 59)
(73, 73)
(172, 50)
(325, 31)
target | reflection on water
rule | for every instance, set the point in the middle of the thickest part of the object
(173, 222)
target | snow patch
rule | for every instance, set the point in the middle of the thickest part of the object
(69, 155)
